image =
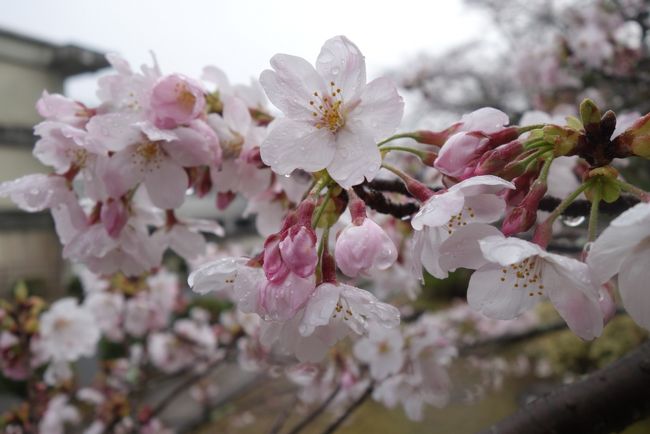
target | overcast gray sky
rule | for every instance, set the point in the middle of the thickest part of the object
(240, 36)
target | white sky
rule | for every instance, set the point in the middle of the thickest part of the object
(240, 36)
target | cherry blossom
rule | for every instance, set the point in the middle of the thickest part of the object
(472, 201)
(519, 273)
(334, 119)
(622, 249)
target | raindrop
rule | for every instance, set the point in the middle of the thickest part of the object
(288, 175)
(335, 71)
(572, 222)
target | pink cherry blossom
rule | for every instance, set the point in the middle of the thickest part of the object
(176, 100)
(478, 131)
(333, 118)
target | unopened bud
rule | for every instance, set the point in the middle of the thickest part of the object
(524, 216)
(589, 113)
(635, 140)
(494, 161)
(563, 139)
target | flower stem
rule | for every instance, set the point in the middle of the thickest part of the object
(395, 137)
(643, 195)
(404, 149)
(319, 212)
(593, 214)
(566, 202)
(322, 182)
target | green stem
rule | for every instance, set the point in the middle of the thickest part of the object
(593, 214)
(320, 185)
(543, 175)
(395, 137)
(321, 247)
(395, 170)
(527, 128)
(566, 202)
(643, 195)
(320, 211)
(403, 149)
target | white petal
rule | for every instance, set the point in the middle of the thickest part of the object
(507, 251)
(612, 247)
(432, 238)
(438, 210)
(356, 157)
(292, 85)
(486, 208)
(481, 185)
(215, 276)
(294, 145)
(341, 62)
(495, 298)
(381, 108)
(573, 301)
(462, 249)
(320, 307)
(633, 285)
(236, 115)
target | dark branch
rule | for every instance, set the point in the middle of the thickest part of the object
(606, 401)
(348, 411)
(380, 203)
(315, 413)
(582, 207)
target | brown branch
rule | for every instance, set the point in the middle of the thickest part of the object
(606, 401)
(283, 416)
(315, 413)
(348, 411)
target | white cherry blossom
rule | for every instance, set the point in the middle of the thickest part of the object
(333, 118)
(519, 273)
(623, 249)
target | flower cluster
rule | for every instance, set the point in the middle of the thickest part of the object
(347, 234)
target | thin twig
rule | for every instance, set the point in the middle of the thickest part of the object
(315, 413)
(283, 416)
(351, 409)
(187, 383)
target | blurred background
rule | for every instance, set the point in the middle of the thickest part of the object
(448, 57)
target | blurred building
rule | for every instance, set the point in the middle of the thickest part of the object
(29, 248)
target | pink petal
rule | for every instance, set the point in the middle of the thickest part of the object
(167, 184)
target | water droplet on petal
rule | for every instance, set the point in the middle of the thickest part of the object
(335, 71)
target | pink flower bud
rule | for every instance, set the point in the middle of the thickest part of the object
(298, 250)
(524, 216)
(494, 161)
(363, 247)
(114, 216)
(280, 301)
(458, 153)
(274, 267)
(176, 100)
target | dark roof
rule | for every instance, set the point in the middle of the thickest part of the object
(67, 59)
